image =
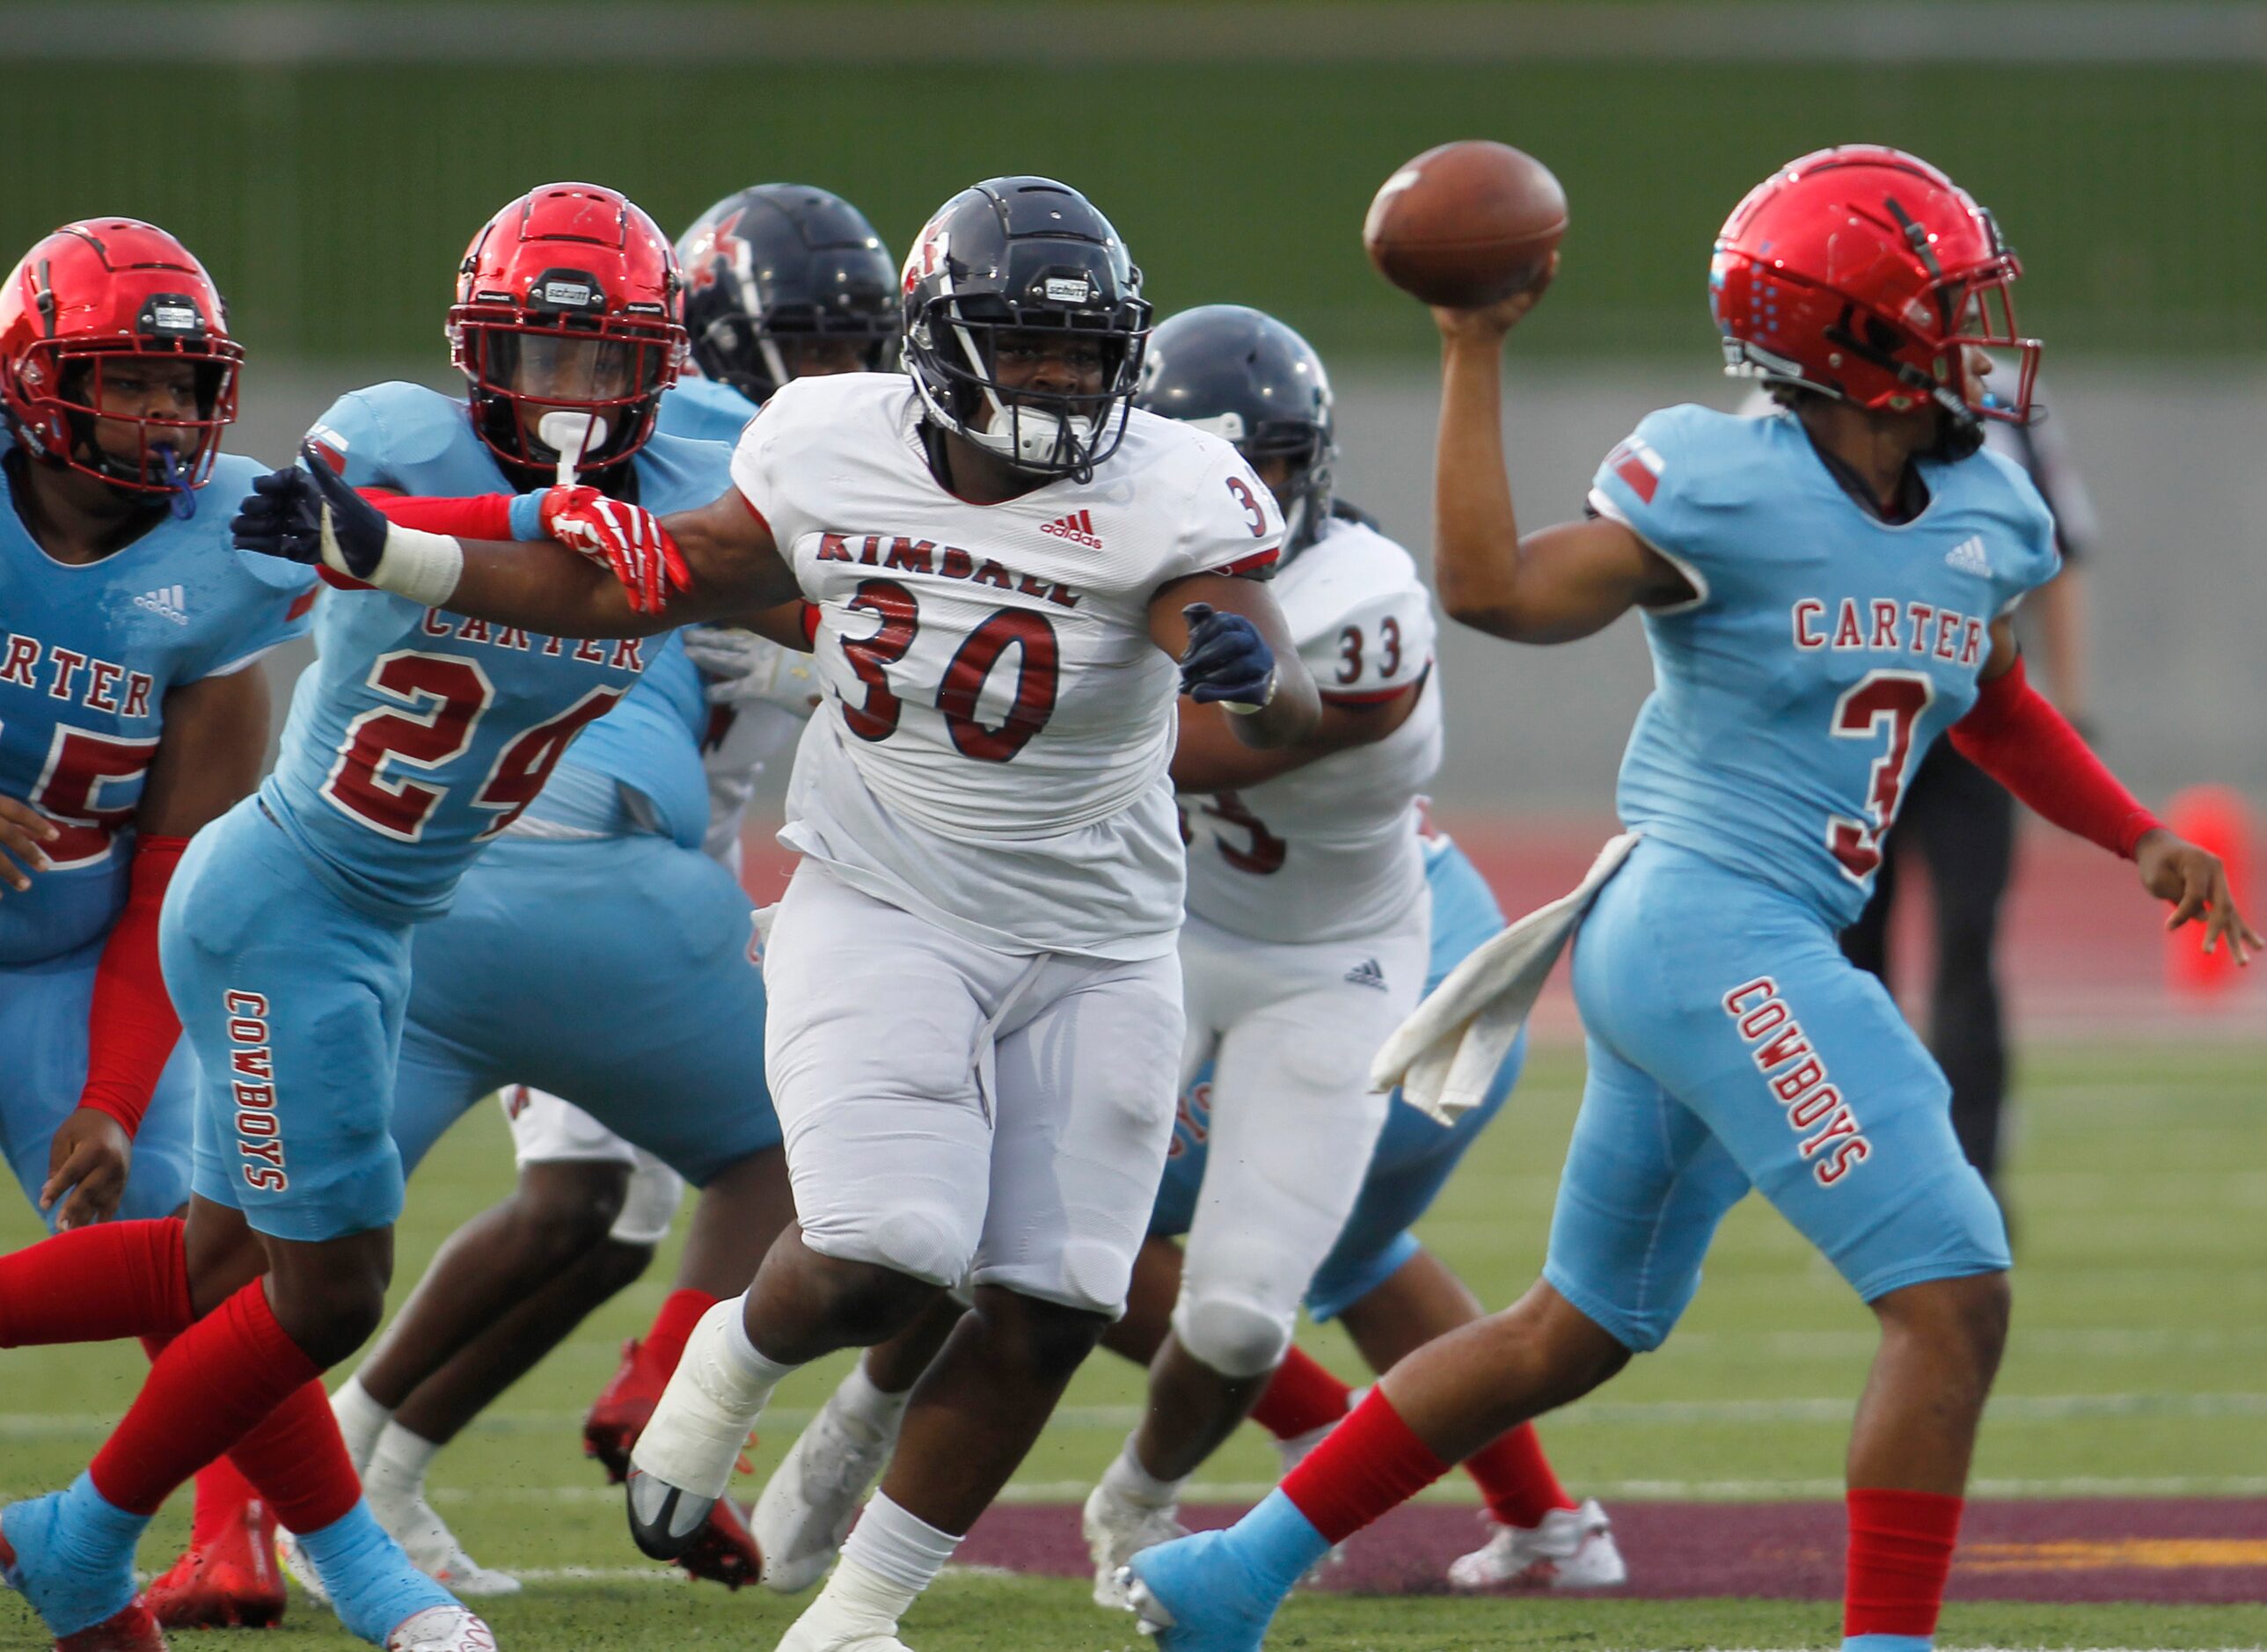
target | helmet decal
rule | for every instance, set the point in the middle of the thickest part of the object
(784, 279)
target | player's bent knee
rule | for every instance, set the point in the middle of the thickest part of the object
(1239, 1340)
(566, 1208)
(1967, 1316)
(328, 1323)
(932, 1246)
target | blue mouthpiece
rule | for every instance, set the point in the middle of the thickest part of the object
(183, 502)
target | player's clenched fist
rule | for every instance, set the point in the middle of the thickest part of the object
(309, 513)
(624, 538)
(1226, 660)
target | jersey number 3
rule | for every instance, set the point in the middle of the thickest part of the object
(1038, 672)
(1896, 699)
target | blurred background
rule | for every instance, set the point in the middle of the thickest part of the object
(329, 161)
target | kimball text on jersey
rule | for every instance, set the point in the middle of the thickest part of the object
(948, 561)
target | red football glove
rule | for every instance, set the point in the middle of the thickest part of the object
(623, 538)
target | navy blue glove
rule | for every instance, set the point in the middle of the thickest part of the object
(1226, 659)
(309, 514)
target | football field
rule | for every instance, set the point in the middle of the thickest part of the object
(2121, 1487)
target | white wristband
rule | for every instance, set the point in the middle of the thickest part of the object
(1242, 708)
(420, 565)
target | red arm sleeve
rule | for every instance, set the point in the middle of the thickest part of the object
(2015, 736)
(131, 1029)
(487, 516)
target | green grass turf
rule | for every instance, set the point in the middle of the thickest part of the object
(2135, 1366)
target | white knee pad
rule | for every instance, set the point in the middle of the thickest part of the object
(932, 1245)
(651, 1204)
(1236, 1338)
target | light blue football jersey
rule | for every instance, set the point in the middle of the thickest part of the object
(1825, 651)
(87, 655)
(704, 410)
(418, 734)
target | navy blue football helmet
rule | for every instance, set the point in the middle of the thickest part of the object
(775, 272)
(1019, 255)
(1243, 375)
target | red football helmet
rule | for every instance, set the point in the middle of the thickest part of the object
(1864, 273)
(568, 301)
(103, 290)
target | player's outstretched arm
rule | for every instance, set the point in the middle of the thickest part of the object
(614, 582)
(1551, 586)
(1234, 650)
(2012, 734)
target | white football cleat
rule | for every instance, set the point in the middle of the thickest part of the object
(808, 1504)
(433, 1549)
(1572, 1548)
(296, 1561)
(1117, 1529)
(450, 1628)
(1293, 1450)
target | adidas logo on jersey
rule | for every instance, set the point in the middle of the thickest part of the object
(171, 603)
(1078, 527)
(1970, 557)
(1367, 973)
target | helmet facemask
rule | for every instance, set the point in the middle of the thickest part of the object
(954, 343)
(778, 339)
(524, 372)
(171, 456)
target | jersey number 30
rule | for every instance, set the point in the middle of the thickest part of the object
(1896, 699)
(1037, 673)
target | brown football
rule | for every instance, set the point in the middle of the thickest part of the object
(1466, 223)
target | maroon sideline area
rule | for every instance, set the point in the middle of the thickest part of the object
(2084, 953)
(2195, 1551)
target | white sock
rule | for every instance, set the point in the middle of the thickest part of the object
(361, 1421)
(1127, 1479)
(891, 1556)
(396, 1472)
(859, 1401)
(720, 1389)
(754, 1367)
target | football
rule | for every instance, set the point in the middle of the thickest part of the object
(1466, 223)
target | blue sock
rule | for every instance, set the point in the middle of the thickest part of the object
(1277, 1543)
(372, 1583)
(75, 1555)
(1889, 1643)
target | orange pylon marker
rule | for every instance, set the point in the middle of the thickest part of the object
(2214, 817)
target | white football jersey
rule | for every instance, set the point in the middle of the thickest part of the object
(993, 750)
(1329, 852)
